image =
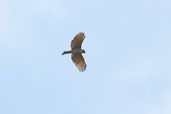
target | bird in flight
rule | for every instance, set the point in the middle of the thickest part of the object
(76, 52)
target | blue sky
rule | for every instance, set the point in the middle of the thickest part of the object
(128, 55)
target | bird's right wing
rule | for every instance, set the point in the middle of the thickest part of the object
(77, 41)
(79, 62)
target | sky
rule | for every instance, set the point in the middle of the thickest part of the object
(128, 56)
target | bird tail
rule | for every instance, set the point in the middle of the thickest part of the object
(66, 52)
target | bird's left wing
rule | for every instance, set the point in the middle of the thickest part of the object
(79, 62)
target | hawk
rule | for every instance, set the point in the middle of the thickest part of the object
(76, 52)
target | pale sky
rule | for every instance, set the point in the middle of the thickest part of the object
(128, 56)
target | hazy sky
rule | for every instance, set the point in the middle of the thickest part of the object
(128, 56)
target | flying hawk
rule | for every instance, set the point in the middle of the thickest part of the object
(76, 52)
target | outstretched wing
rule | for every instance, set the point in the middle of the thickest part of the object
(77, 41)
(79, 62)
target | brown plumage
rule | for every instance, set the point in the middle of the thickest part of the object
(76, 51)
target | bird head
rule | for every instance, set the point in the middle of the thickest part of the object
(82, 51)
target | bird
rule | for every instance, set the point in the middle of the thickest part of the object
(76, 52)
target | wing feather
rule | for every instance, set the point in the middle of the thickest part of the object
(79, 62)
(77, 41)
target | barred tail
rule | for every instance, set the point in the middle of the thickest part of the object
(66, 52)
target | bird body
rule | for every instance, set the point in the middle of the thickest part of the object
(76, 51)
